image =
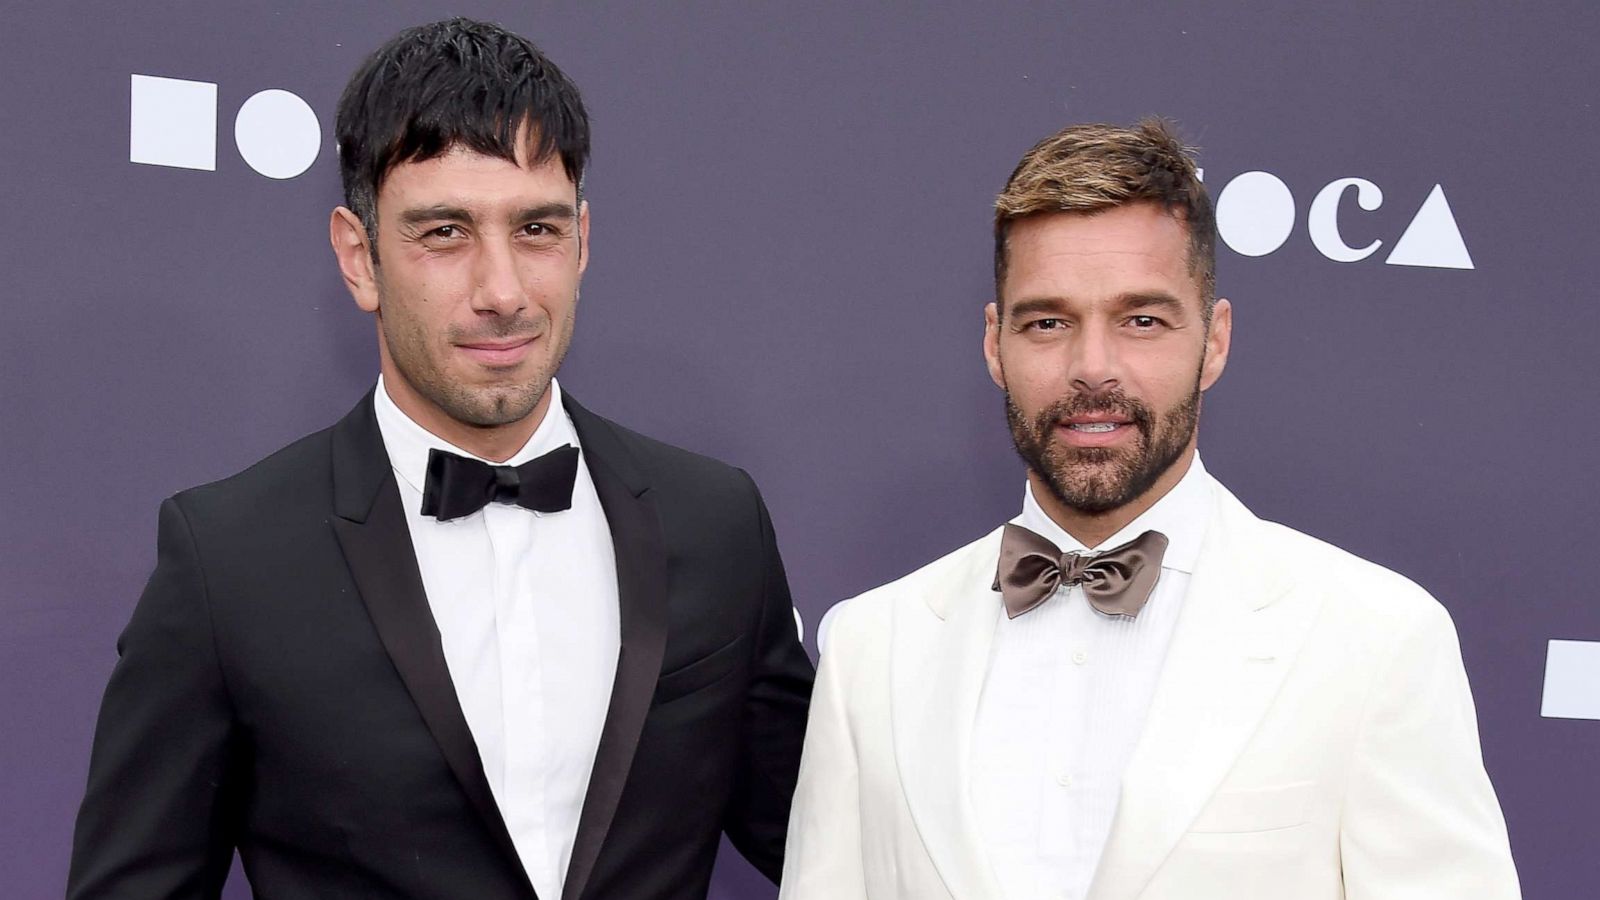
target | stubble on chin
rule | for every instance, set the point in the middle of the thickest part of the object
(492, 407)
(498, 405)
(425, 366)
(1096, 480)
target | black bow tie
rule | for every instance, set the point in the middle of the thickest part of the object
(458, 486)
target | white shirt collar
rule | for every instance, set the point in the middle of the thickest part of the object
(408, 443)
(1181, 515)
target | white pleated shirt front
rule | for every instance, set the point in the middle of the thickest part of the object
(1064, 702)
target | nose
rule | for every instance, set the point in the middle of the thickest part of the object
(499, 289)
(1093, 366)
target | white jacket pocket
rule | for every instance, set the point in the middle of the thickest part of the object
(1255, 809)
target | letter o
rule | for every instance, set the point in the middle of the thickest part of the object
(1255, 213)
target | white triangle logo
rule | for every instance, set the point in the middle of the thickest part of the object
(1432, 239)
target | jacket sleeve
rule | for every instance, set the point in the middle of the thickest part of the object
(776, 701)
(1421, 821)
(824, 859)
(156, 820)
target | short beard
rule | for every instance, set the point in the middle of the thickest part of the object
(486, 408)
(1096, 480)
(477, 407)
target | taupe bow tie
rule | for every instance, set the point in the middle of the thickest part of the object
(1116, 582)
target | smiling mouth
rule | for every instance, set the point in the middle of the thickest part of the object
(1085, 432)
(507, 345)
(498, 353)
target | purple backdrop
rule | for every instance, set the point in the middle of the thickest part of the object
(791, 251)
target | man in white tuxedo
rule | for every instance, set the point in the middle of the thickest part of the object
(1136, 688)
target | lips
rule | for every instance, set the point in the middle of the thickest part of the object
(498, 353)
(1094, 429)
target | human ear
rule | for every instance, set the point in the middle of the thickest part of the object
(991, 345)
(351, 249)
(1218, 338)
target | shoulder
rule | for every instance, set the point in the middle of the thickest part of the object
(661, 458)
(1364, 593)
(673, 474)
(954, 568)
(923, 594)
(297, 475)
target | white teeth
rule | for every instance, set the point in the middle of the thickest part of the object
(1094, 427)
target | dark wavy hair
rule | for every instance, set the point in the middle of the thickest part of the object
(454, 83)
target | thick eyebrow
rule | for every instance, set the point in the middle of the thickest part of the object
(1157, 300)
(444, 212)
(441, 212)
(1139, 300)
(554, 210)
(1036, 305)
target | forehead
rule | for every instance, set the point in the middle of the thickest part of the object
(461, 174)
(1084, 257)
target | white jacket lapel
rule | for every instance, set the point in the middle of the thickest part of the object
(1227, 660)
(941, 655)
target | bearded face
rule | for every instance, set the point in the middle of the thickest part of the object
(1103, 346)
(1098, 479)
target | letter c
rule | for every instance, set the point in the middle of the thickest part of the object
(1323, 219)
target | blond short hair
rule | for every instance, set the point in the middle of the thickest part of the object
(1090, 168)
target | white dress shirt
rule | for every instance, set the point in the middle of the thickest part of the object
(1064, 702)
(526, 605)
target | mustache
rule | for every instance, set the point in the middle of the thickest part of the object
(495, 330)
(1110, 402)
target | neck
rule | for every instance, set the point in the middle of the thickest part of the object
(496, 443)
(1091, 529)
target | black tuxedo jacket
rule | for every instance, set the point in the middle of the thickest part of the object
(281, 689)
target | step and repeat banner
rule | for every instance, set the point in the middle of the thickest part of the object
(791, 252)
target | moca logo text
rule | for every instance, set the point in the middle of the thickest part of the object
(173, 122)
(1256, 215)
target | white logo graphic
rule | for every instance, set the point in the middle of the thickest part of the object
(278, 134)
(1323, 219)
(1255, 213)
(1256, 216)
(1572, 680)
(173, 123)
(1432, 238)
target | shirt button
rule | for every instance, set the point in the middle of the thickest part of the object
(1064, 780)
(1080, 657)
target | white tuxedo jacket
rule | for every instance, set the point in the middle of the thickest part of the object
(1312, 737)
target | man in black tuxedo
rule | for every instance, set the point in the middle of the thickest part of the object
(473, 641)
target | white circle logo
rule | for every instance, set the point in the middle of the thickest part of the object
(1255, 213)
(278, 134)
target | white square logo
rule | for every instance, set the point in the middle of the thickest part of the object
(1572, 680)
(173, 123)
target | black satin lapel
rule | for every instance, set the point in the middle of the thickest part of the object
(360, 461)
(379, 553)
(642, 597)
